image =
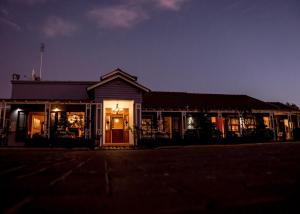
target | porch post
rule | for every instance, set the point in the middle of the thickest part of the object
(88, 120)
(298, 121)
(290, 126)
(159, 121)
(183, 123)
(1, 104)
(47, 116)
(4, 115)
(138, 116)
(220, 124)
(273, 126)
(99, 123)
(240, 123)
(270, 121)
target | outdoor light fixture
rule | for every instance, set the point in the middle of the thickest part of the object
(117, 109)
(56, 109)
(17, 110)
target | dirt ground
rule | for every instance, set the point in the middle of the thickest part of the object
(252, 178)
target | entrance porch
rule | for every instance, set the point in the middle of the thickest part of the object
(118, 123)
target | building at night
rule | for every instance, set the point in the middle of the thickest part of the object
(118, 111)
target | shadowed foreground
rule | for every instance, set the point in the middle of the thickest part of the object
(260, 178)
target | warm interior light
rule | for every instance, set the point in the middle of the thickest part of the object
(116, 120)
(116, 109)
(56, 109)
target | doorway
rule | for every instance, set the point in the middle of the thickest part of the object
(117, 126)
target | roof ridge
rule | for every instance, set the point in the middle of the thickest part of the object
(195, 93)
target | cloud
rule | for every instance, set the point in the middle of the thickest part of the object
(118, 16)
(30, 2)
(170, 4)
(3, 12)
(57, 26)
(7, 21)
(10, 24)
(130, 12)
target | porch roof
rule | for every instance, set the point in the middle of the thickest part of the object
(189, 101)
(44, 101)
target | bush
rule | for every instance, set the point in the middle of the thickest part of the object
(296, 133)
(196, 136)
(37, 141)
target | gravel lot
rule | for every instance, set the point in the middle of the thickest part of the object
(252, 178)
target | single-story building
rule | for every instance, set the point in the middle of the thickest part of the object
(118, 111)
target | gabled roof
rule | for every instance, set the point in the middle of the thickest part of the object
(182, 100)
(119, 74)
(118, 71)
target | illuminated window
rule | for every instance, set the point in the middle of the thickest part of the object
(68, 124)
(146, 126)
(167, 122)
(266, 122)
(190, 123)
(249, 123)
(36, 123)
(213, 120)
(286, 123)
(75, 124)
(233, 124)
(117, 122)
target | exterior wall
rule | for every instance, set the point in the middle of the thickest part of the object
(284, 122)
(49, 90)
(119, 90)
(164, 122)
(222, 122)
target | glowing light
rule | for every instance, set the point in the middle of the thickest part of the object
(116, 120)
(116, 110)
(56, 109)
(18, 109)
(190, 122)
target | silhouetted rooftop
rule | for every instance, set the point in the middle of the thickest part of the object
(182, 100)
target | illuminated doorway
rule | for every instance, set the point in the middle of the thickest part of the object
(36, 124)
(117, 129)
(118, 122)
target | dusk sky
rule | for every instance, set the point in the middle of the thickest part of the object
(208, 46)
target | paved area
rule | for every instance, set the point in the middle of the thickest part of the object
(260, 178)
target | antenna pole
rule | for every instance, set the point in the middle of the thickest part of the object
(42, 49)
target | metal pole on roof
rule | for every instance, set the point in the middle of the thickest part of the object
(42, 49)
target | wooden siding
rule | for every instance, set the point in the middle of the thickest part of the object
(49, 90)
(118, 89)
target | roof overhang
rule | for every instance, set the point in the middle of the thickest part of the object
(120, 72)
(118, 76)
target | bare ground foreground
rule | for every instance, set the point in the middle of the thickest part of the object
(258, 178)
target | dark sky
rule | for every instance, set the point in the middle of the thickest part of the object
(208, 46)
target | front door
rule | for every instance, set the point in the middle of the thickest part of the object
(117, 129)
(21, 131)
(116, 126)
